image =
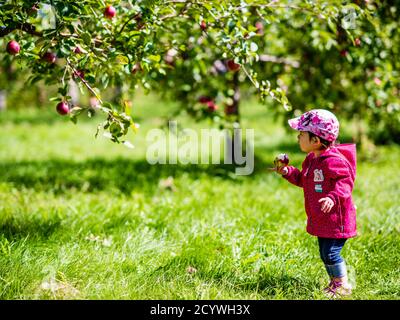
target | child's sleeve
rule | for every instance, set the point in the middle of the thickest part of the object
(343, 182)
(294, 176)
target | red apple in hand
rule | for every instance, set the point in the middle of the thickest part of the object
(13, 47)
(233, 66)
(281, 160)
(110, 12)
(62, 108)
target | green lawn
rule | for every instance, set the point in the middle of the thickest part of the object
(82, 218)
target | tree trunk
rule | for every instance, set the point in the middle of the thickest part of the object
(3, 100)
(233, 138)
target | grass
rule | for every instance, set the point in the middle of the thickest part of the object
(82, 218)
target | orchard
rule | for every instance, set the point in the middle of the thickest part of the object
(288, 52)
(85, 218)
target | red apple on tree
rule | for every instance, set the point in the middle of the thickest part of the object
(377, 81)
(110, 12)
(136, 68)
(62, 108)
(344, 53)
(33, 10)
(211, 106)
(169, 58)
(357, 42)
(233, 66)
(13, 47)
(50, 57)
(203, 25)
(204, 99)
(79, 74)
(260, 27)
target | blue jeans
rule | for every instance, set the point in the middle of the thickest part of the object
(329, 250)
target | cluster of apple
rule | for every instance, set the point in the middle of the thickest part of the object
(62, 107)
(13, 48)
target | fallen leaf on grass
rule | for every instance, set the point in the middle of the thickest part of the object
(167, 184)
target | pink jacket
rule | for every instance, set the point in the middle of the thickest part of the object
(332, 175)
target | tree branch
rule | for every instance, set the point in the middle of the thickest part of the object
(268, 58)
(85, 82)
(26, 27)
(132, 17)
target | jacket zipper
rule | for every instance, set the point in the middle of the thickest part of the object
(308, 168)
(340, 216)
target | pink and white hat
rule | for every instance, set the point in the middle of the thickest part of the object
(322, 123)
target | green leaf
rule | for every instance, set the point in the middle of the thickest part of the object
(155, 58)
(87, 38)
(127, 108)
(91, 112)
(128, 144)
(122, 59)
(63, 91)
(29, 46)
(206, 5)
(107, 105)
(74, 119)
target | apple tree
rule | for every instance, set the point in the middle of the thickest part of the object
(200, 53)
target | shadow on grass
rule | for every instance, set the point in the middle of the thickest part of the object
(122, 175)
(19, 228)
(278, 284)
(274, 283)
(16, 118)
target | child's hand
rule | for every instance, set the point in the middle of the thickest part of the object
(280, 164)
(282, 170)
(327, 204)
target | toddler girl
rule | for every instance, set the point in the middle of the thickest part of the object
(327, 178)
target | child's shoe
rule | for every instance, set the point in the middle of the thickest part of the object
(337, 288)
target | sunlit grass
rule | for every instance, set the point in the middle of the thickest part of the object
(82, 218)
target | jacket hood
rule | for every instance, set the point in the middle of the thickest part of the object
(345, 151)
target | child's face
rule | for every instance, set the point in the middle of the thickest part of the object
(307, 145)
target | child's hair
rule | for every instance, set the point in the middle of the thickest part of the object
(325, 143)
